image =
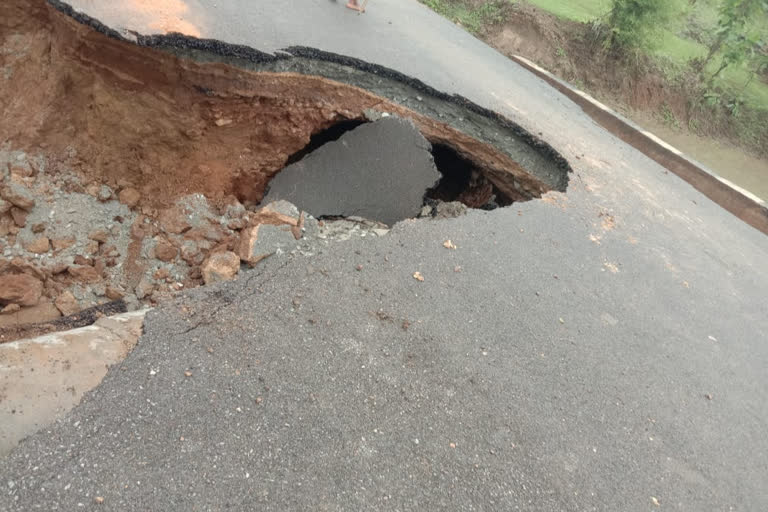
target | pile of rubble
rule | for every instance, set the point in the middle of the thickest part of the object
(66, 246)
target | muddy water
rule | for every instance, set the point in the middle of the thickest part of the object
(730, 162)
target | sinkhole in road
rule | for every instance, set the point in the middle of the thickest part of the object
(126, 166)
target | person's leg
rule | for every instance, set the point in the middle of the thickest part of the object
(352, 4)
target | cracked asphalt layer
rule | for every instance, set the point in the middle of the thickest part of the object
(599, 350)
(522, 373)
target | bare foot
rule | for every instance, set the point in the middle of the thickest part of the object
(354, 6)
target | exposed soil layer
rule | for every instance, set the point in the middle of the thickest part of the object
(129, 116)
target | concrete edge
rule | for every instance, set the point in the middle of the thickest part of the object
(55, 338)
(740, 202)
(43, 378)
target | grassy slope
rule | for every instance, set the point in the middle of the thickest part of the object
(677, 49)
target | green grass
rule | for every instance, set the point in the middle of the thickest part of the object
(673, 48)
(679, 50)
(577, 10)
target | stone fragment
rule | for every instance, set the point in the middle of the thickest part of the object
(283, 208)
(84, 273)
(18, 195)
(4, 206)
(105, 193)
(99, 235)
(21, 289)
(7, 225)
(258, 242)
(114, 293)
(190, 253)
(144, 288)
(62, 243)
(82, 260)
(235, 224)
(450, 210)
(129, 197)
(165, 251)
(174, 220)
(39, 245)
(67, 303)
(276, 213)
(38, 228)
(92, 248)
(220, 266)
(19, 216)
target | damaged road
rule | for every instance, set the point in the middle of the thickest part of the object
(600, 350)
(125, 169)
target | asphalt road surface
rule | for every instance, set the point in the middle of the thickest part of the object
(604, 349)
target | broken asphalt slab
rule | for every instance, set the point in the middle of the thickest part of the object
(379, 171)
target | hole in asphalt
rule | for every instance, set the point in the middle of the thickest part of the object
(323, 137)
(463, 181)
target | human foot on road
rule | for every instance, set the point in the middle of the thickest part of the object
(352, 4)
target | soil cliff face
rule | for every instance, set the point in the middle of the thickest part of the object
(128, 116)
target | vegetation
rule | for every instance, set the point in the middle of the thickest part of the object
(714, 51)
(472, 17)
(636, 24)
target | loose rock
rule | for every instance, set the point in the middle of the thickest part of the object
(38, 245)
(10, 309)
(67, 304)
(221, 266)
(114, 293)
(19, 216)
(84, 273)
(174, 220)
(18, 195)
(98, 235)
(165, 251)
(105, 193)
(21, 289)
(62, 243)
(144, 288)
